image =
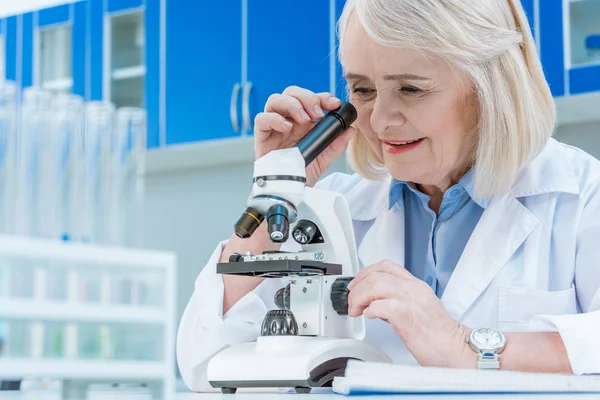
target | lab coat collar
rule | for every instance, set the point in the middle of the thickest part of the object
(368, 198)
(549, 172)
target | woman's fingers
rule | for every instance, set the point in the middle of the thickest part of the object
(287, 106)
(271, 121)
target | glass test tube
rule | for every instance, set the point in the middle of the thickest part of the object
(68, 130)
(97, 138)
(8, 155)
(32, 156)
(127, 177)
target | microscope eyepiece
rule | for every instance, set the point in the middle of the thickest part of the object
(248, 223)
(326, 131)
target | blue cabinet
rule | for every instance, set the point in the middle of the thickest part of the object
(55, 38)
(341, 89)
(53, 52)
(54, 16)
(221, 72)
(155, 74)
(204, 69)
(288, 44)
(583, 46)
(551, 44)
(122, 5)
(10, 36)
(79, 14)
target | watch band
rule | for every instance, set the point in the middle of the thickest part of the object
(488, 361)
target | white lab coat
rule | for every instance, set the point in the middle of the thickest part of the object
(531, 264)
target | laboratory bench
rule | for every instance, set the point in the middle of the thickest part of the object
(327, 396)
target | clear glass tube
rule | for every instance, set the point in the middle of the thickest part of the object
(127, 178)
(68, 131)
(33, 136)
(8, 168)
(8, 155)
(58, 157)
(97, 139)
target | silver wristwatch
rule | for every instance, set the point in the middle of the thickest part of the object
(488, 343)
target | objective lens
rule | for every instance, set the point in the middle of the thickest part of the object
(248, 223)
(278, 223)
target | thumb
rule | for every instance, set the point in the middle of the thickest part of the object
(329, 155)
(339, 145)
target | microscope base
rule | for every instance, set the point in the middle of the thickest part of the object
(300, 362)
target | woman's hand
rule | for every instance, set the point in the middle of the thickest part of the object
(389, 292)
(288, 117)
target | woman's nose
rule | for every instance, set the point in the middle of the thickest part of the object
(385, 117)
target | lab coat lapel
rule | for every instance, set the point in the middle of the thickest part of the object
(502, 229)
(385, 238)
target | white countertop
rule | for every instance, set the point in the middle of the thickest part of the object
(328, 396)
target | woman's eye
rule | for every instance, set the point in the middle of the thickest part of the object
(361, 90)
(411, 90)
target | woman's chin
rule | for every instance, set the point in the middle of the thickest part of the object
(405, 174)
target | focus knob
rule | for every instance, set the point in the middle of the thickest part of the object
(339, 295)
(279, 323)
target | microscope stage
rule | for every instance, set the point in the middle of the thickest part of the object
(279, 268)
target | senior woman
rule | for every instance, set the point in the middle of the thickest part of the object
(467, 213)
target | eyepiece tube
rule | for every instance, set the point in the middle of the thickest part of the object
(326, 131)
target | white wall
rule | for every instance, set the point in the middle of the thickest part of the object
(11, 7)
(190, 210)
(585, 136)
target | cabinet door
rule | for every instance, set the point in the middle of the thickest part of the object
(289, 43)
(341, 87)
(552, 51)
(584, 46)
(126, 74)
(203, 66)
(2, 49)
(529, 6)
(79, 38)
(54, 53)
(18, 36)
(155, 83)
(95, 30)
(10, 39)
(26, 26)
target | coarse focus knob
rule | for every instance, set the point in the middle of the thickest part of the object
(339, 295)
(279, 323)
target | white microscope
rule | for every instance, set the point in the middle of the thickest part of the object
(308, 341)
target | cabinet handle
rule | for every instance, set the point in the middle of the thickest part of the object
(246, 106)
(235, 123)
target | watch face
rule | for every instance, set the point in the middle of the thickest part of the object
(488, 339)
